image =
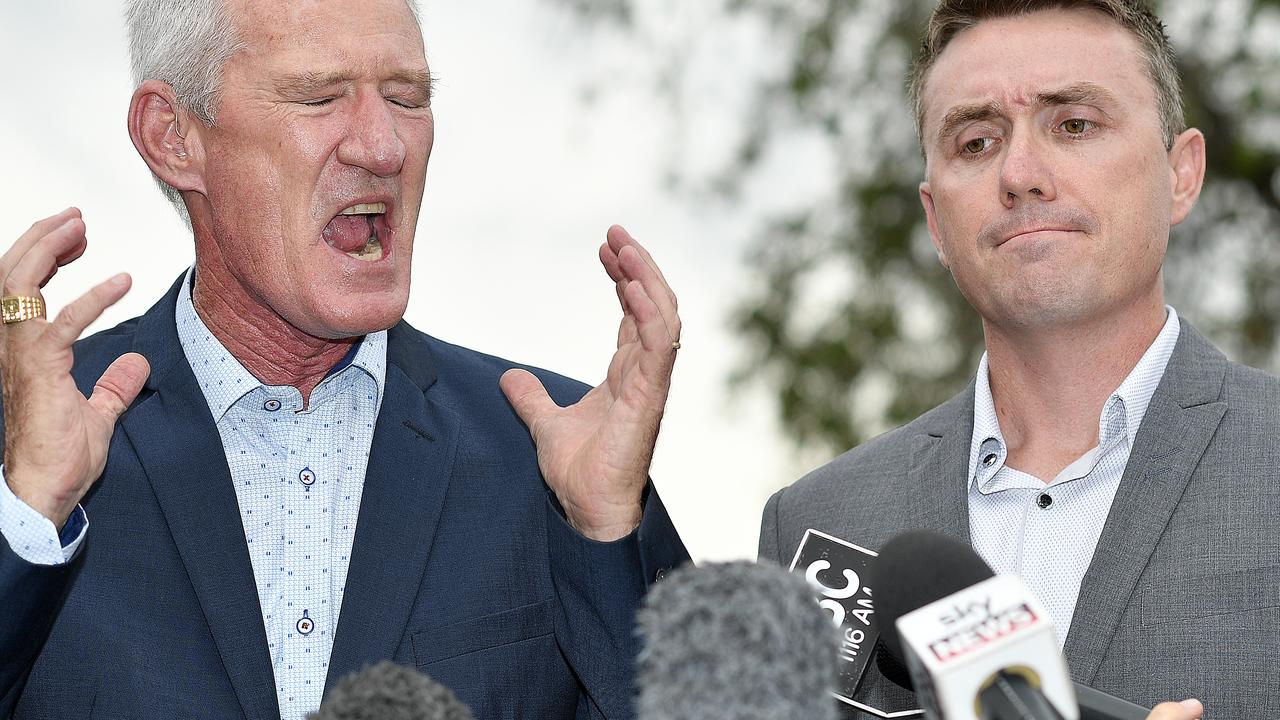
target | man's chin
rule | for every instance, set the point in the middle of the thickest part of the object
(355, 322)
(1047, 311)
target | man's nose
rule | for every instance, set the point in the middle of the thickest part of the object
(373, 140)
(1026, 171)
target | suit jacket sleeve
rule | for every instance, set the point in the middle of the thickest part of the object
(30, 595)
(600, 585)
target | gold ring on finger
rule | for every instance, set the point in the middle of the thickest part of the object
(17, 308)
(675, 345)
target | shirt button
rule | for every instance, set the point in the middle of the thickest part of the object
(1044, 500)
(305, 624)
(660, 575)
(307, 477)
(271, 405)
(989, 460)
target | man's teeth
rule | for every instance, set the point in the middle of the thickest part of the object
(365, 209)
(371, 251)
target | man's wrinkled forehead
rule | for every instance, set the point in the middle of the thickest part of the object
(272, 24)
(296, 49)
(1014, 62)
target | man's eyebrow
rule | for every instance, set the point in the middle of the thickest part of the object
(1084, 93)
(306, 83)
(958, 117)
(421, 80)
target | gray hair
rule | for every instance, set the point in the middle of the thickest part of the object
(187, 43)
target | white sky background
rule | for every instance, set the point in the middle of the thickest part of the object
(524, 181)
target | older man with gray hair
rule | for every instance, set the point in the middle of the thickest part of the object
(269, 480)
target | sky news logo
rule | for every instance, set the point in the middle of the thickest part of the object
(976, 625)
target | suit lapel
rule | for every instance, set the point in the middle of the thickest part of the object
(410, 463)
(939, 466)
(181, 452)
(1180, 421)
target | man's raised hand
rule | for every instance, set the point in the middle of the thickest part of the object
(595, 454)
(55, 439)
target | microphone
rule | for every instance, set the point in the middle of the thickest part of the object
(839, 571)
(973, 641)
(836, 569)
(734, 641)
(387, 691)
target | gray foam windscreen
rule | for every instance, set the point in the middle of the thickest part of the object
(735, 641)
(387, 691)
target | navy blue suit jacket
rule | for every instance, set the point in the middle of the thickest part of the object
(462, 565)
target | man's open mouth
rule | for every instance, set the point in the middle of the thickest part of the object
(358, 231)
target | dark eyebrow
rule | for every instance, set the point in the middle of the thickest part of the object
(958, 117)
(307, 83)
(1084, 93)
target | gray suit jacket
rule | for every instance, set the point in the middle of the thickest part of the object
(1182, 598)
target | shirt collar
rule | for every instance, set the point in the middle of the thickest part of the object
(1138, 388)
(1123, 411)
(224, 380)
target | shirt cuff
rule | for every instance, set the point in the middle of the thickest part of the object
(33, 536)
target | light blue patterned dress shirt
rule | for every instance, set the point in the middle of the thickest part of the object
(298, 476)
(33, 536)
(1046, 533)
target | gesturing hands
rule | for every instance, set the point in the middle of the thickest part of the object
(56, 440)
(595, 454)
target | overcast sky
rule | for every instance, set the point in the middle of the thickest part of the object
(524, 180)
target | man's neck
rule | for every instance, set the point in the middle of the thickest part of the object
(1049, 385)
(267, 346)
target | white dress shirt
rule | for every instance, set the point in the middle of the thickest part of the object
(1046, 533)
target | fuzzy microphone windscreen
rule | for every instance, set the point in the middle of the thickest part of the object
(387, 691)
(735, 641)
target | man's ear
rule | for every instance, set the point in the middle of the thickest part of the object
(931, 217)
(166, 136)
(1186, 171)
